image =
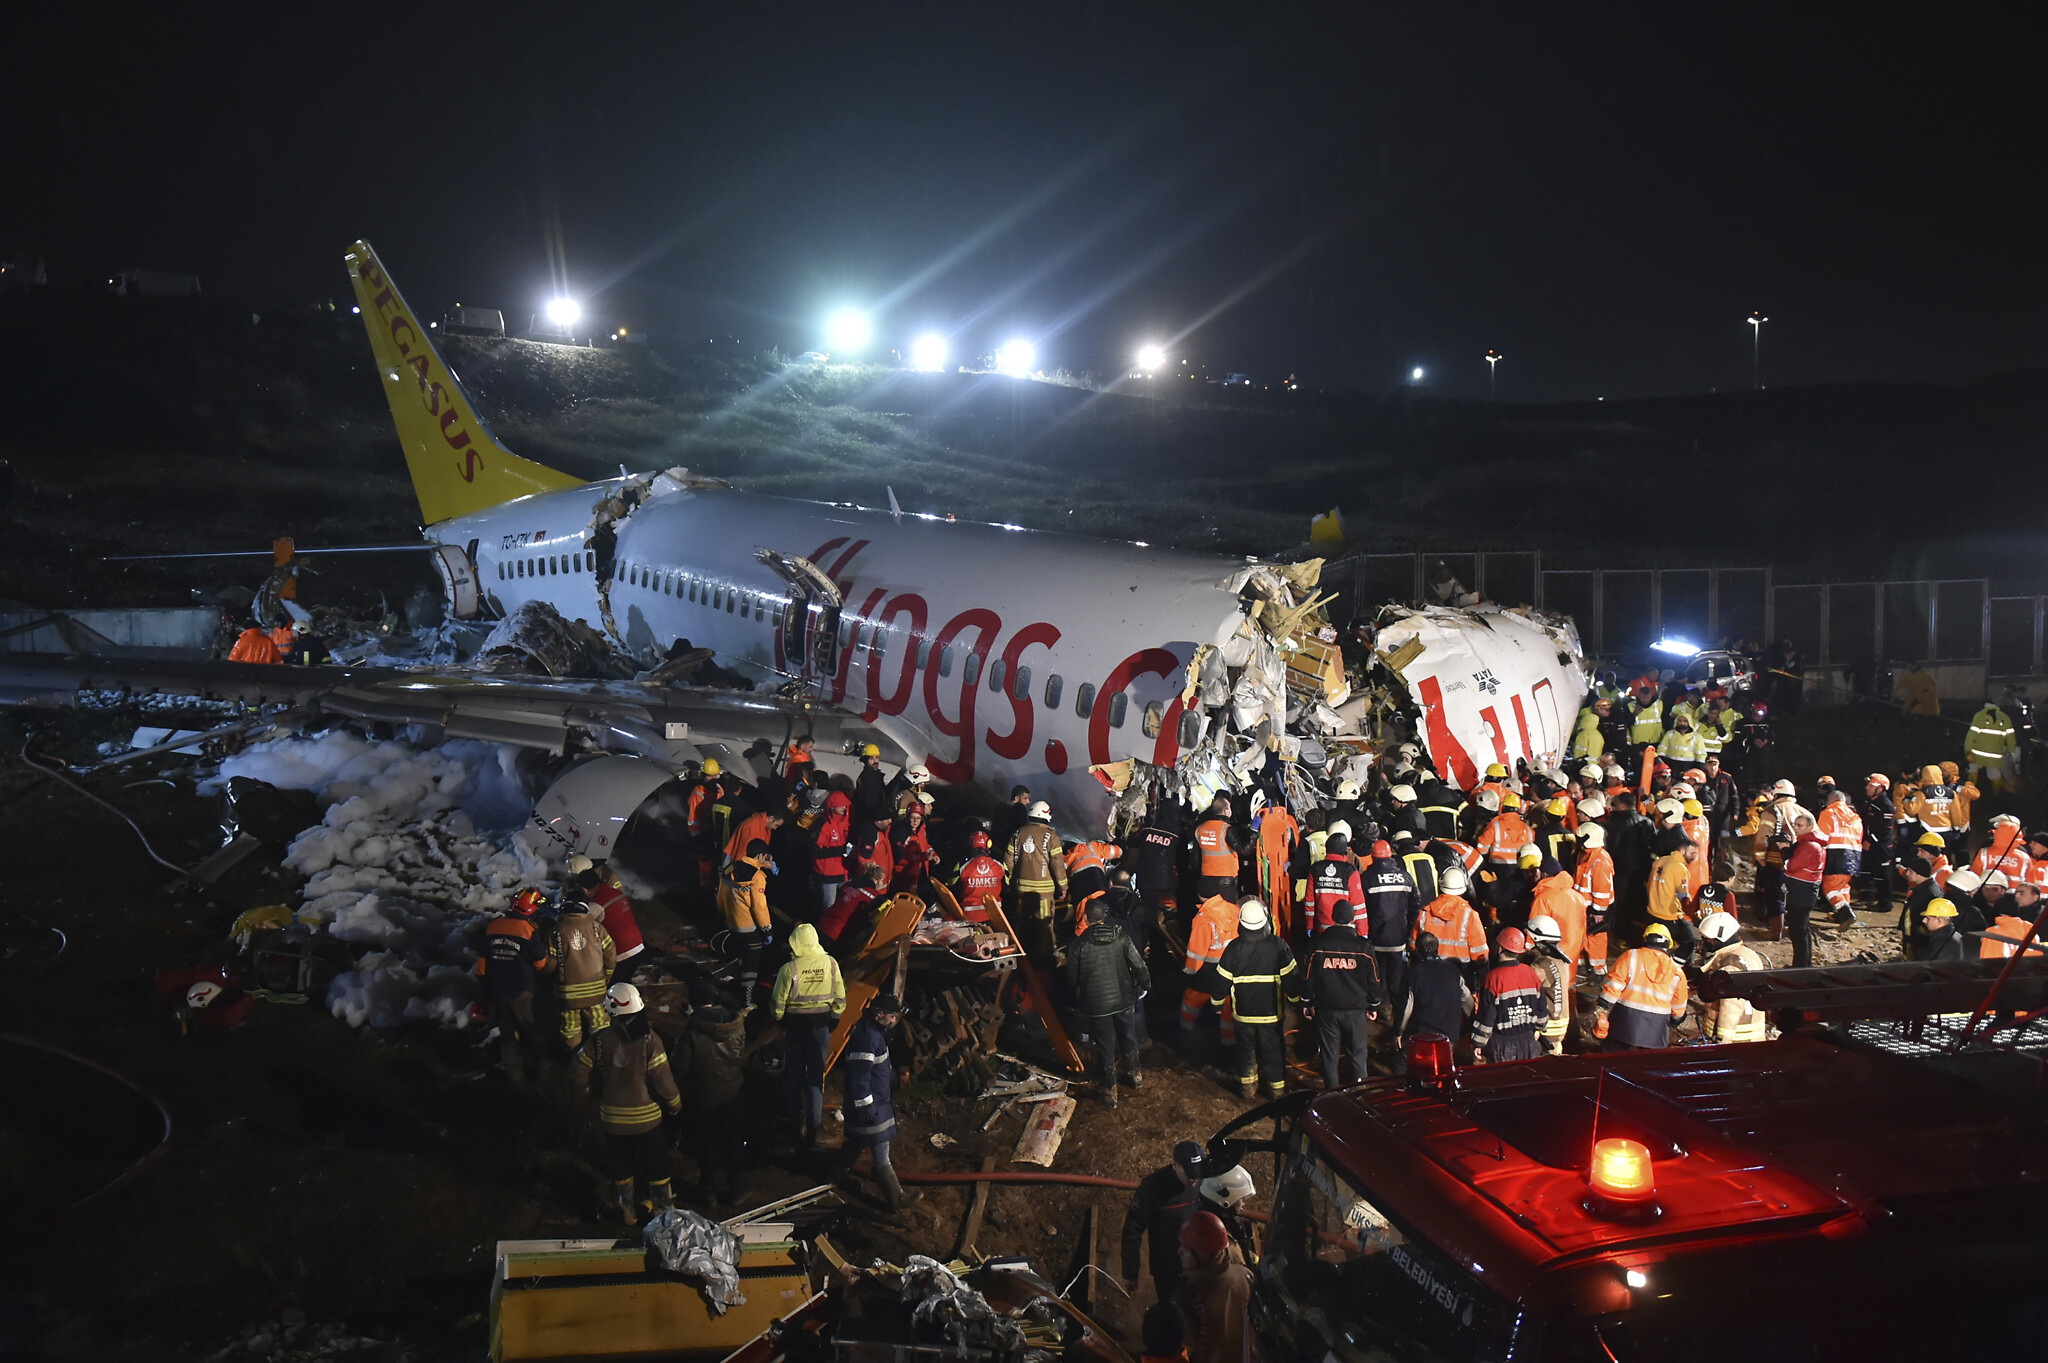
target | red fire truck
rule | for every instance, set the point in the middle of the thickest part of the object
(1819, 1197)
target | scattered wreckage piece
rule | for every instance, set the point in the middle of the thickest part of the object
(1040, 1140)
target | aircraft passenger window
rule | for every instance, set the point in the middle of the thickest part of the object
(1154, 720)
(575, 563)
(554, 565)
(668, 584)
(501, 572)
(1084, 700)
(878, 641)
(1118, 703)
(619, 575)
(746, 605)
(973, 672)
(1052, 691)
(1020, 685)
(693, 589)
(995, 676)
(1190, 728)
(924, 654)
(945, 662)
(730, 602)
(522, 567)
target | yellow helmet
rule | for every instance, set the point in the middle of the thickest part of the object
(1529, 856)
(1930, 840)
(711, 767)
(1692, 809)
(1557, 805)
(1938, 908)
(1657, 932)
(870, 750)
(1495, 769)
(1510, 800)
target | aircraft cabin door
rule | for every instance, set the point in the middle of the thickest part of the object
(810, 623)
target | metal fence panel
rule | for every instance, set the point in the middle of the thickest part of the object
(1683, 610)
(1384, 578)
(1798, 615)
(1573, 593)
(1742, 593)
(1852, 623)
(2012, 634)
(1905, 622)
(1959, 620)
(1625, 617)
(1511, 578)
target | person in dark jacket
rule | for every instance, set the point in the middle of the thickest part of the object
(1939, 939)
(1917, 873)
(1436, 997)
(514, 953)
(1440, 804)
(634, 1086)
(1165, 1198)
(1511, 1003)
(870, 1081)
(1344, 990)
(871, 789)
(1629, 839)
(1156, 861)
(1254, 969)
(1107, 974)
(711, 1065)
(1332, 881)
(1391, 904)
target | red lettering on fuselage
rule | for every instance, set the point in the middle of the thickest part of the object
(987, 626)
(1017, 742)
(894, 702)
(838, 692)
(1148, 662)
(1448, 751)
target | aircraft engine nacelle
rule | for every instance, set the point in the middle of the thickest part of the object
(460, 588)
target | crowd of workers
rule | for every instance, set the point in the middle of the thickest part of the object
(1404, 906)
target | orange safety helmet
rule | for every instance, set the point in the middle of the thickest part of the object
(527, 903)
(1513, 941)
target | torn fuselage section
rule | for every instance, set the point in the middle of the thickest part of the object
(609, 517)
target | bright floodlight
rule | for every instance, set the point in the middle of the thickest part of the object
(1151, 357)
(564, 312)
(928, 351)
(1017, 357)
(849, 330)
(1682, 647)
(1416, 373)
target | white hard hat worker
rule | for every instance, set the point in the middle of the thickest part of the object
(302, 627)
(623, 1000)
(1720, 928)
(1488, 800)
(1347, 790)
(1592, 807)
(1039, 810)
(918, 773)
(1783, 789)
(1402, 794)
(1410, 751)
(1592, 835)
(1251, 916)
(1455, 881)
(1228, 1188)
(1544, 929)
(1965, 882)
(203, 994)
(1338, 829)
(578, 864)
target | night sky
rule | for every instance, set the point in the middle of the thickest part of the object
(1602, 195)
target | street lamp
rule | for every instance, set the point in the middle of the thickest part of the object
(564, 312)
(1492, 368)
(1756, 348)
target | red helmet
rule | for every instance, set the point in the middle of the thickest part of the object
(979, 841)
(527, 903)
(1204, 1233)
(1513, 941)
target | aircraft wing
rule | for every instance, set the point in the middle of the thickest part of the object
(1491, 685)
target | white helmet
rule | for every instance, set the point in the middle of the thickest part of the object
(1347, 790)
(1339, 828)
(1998, 819)
(1682, 790)
(1488, 799)
(1404, 793)
(1671, 809)
(1039, 810)
(578, 863)
(622, 1000)
(1455, 881)
(1228, 1188)
(1964, 880)
(1720, 926)
(1784, 787)
(1592, 807)
(1544, 928)
(202, 994)
(1998, 878)
(1592, 772)
(1592, 835)
(1251, 916)
(1410, 750)
(918, 773)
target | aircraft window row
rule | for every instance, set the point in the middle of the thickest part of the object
(713, 595)
(543, 565)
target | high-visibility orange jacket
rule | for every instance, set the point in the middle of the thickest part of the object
(1841, 827)
(1646, 990)
(2005, 925)
(1212, 841)
(1279, 835)
(743, 895)
(254, 646)
(2005, 852)
(1083, 856)
(1556, 897)
(752, 827)
(1595, 878)
(697, 810)
(1215, 928)
(1503, 837)
(1460, 936)
(1702, 834)
(284, 636)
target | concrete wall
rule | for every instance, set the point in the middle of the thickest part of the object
(176, 631)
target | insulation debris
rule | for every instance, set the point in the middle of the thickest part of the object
(698, 1248)
(1040, 1140)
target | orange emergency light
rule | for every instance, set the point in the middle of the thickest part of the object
(1624, 1184)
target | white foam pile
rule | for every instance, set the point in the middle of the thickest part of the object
(416, 848)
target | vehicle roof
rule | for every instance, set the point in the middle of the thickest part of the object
(1786, 1135)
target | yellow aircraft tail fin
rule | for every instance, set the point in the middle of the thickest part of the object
(457, 465)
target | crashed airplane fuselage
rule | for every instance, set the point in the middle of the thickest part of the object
(993, 654)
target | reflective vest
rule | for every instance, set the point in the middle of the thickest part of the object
(2003, 853)
(1733, 1020)
(1702, 835)
(1460, 936)
(1253, 966)
(1505, 836)
(1595, 878)
(1421, 868)
(254, 646)
(1085, 856)
(1331, 883)
(1215, 927)
(2005, 925)
(809, 984)
(1682, 745)
(1556, 898)
(1212, 840)
(1712, 736)
(1647, 980)
(1648, 724)
(1557, 997)
(1991, 737)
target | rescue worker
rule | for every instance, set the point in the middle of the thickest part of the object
(758, 826)
(870, 1082)
(1332, 881)
(1511, 1007)
(830, 834)
(1729, 1020)
(1557, 899)
(1088, 866)
(697, 807)
(1392, 904)
(1646, 719)
(511, 962)
(1252, 969)
(1680, 744)
(743, 899)
(910, 854)
(847, 925)
(1939, 940)
(1036, 866)
(1163, 1200)
(1418, 858)
(1919, 692)
(2008, 930)
(1805, 863)
(1643, 995)
(1216, 1299)
(1156, 860)
(1275, 836)
(711, 1065)
(1842, 831)
(1215, 927)
(634, 1088)
(1933, 804)
(1403, 815)
(587, 959)
(614, 910)
(1990, 745)
(1107, 975)
(980, 882)
(1344, 993)
(1559, 1002)
(1630, 842)
(905, 788)
(255, 645)
(870, 787)
(1440, 805)
(304, 648)
(1880, 835)
(1217, 844)
(1436, 998)
(1695, 826)
(1010, 817)
(1668, 894)
(1555, 832)
(1450, 919)
(2004, 850)
(1921, 890)
(809, 997)
(1593, 878)
(1587, 740)
(800, 765)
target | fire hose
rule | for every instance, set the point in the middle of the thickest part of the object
(1018, 1176)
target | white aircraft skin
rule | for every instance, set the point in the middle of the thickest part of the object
(1098, 633)
(947, 601)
